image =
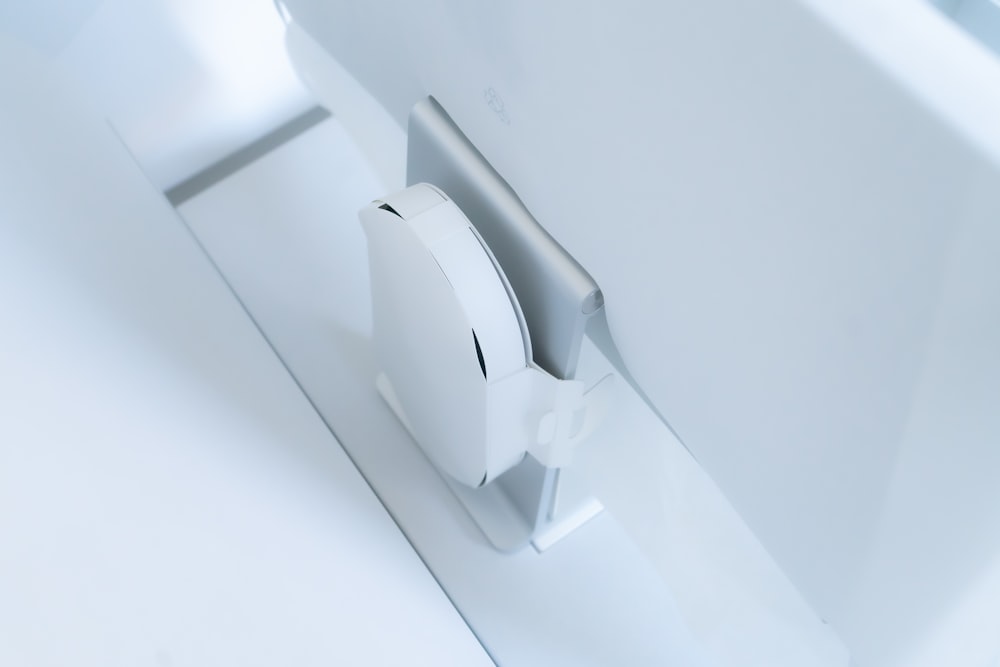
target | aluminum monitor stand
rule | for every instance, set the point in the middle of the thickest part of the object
(529, 503)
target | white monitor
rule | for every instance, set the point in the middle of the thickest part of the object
(791, 210)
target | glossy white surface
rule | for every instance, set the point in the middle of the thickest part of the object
(168, 496)
(791, 210)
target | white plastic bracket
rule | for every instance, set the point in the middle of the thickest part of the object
(458, 373)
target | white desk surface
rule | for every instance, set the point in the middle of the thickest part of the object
(284, 232)
(168, 496)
